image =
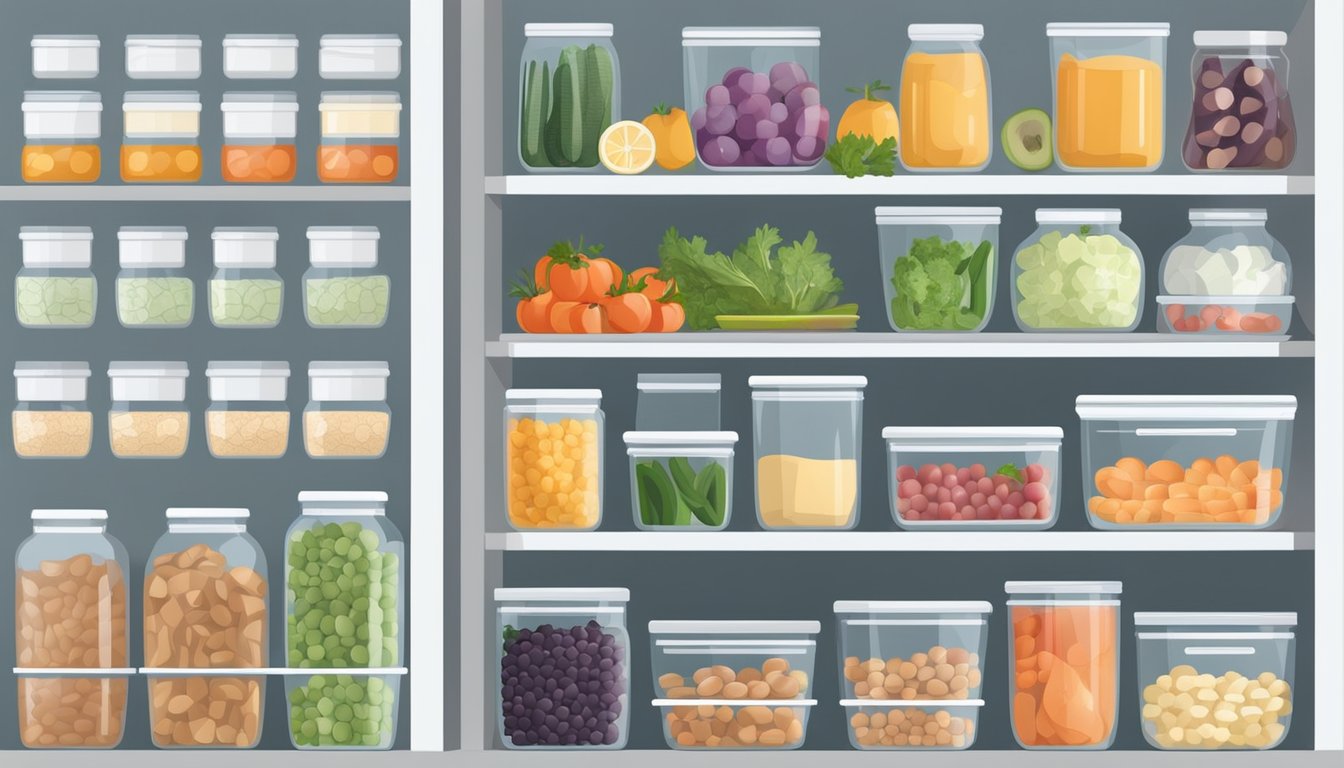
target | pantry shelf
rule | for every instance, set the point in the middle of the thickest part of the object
(806, 758)
(221, 193)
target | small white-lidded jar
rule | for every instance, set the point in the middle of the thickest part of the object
(149, 418)
(259, 131)
(347, 415)
(247, 417)
(245, 289)
(56, 288)
(51, 419)
(61, 130)
(153, 289)
(68, 57)
(163, 57)
(162, 136)
(359, 57)
(344, 287)
(261, 57)
(361, 133)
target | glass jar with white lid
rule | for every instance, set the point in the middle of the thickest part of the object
(56, 287)
(1241, 116)
(359, 57)
(939, 266)
(259, 131)
(1078, 272)
(248, 417)
(347, 415)
(553, 81)
(66, 57)
(553, 448)
(677, 401)
(149, 418)
(162, 139)
(360, 137)
(946, 122)
(344, 287)
(51, 418)
(163, 57)
(261, 57)
(61, 130)
(245, 289)
(153, 289)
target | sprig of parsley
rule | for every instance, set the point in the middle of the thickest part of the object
(856, 156)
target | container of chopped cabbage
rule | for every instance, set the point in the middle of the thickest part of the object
(1077, 272)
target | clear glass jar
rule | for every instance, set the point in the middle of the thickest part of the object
(946, 122)
(56, 287)
(65, 57)
(344, 287)
(1078, 272)
(248, 417)
(373, 697)
(1110, 97)
(245, 289)
(569, 70)
(162, 142)
(347, 415)
(51, 419)
(259, 131)
(71, 620)
(163, 57)
(939, 266)
(205, 611)
(1070, 628)
(61, 130)
(1241, 117)
(149, 418)
(553, 446)
(153, 289)
(755, 97)
(533, 623)
(359, 57)
(807, 434)
(261, 57)
(678, 401)
(681, 480)
(360, 137)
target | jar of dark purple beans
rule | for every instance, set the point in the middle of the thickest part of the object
(564, 665)
(755, 97)
(1241, 118)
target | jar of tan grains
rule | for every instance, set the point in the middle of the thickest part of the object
(347, 415)
(247, 417)
(149, 419)
(51, 419)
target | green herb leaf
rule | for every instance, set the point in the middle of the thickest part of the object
(856, 156)
(509, 635)
(1084, 230)
(1009, 470)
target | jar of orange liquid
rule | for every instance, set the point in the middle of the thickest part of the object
(1109, 94)
(259, 131)
(945, 116)
(162, 137)
(61, 131)
(360, 135)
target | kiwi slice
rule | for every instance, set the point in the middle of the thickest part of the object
(1027, 140)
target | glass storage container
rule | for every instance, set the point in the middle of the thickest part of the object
(261, 57)
(1069, 628)
(1078, 272)
(734, 724)
(205, 630)
(372, 696)
(677, 401)
(1215, 680)
(974, 478)
(248, 417)
(359, 57)
(570, 92)
(259, 131)
(70, 629)
(347, 415)
(344, 287)
(245, 289)
(162, 141)
(1241, 117)
(149, 418)
(66, 57)
(56, 287)
(681, 480)
(360, 137)
(807, 437)
(1185, 462)
(946, 122)
(754, 94)
(163, 57)
(722, 659)
(535, 710)
(51, 418)
(1108, 80)
(553, 455)
(939, 266)
(61, 130)
(1228, 275)
(153, 289)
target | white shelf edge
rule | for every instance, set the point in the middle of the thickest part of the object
(222, 193)
(806, 758)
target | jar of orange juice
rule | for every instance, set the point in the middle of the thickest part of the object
(945, 116)
(61, 131)
(162, 136)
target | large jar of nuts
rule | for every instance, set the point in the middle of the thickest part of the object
(205, 627)
(70, 618)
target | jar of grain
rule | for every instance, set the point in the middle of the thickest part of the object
(51, 419)
(347, 415)
(149, 419)
(247, 417)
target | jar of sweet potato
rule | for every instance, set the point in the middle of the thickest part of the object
(360, 137)
(162, 137)
(259, 131)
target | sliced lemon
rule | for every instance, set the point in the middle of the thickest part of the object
(626, 147)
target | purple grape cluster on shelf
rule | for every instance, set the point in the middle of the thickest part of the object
(754, 119)
(562, 686)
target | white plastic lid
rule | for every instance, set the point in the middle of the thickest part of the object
(952, 33)
(950, 704)
(755, 34)
(51, 382)
(89, 672)
(937, 215)
(684, 383)
(62, 101)
(331, 503)
(152, 233)
(1107, 29)
(69, 514)
(1236, 38)
(77, 255)
(338, 381)
(562, 594)
(738, 702)
(1062, 587)
(55, 233)
(337, 101)
(912, 606)
(161, 101)
(148, 381)
(343, 233)
(1152, 619)
(1077, 216)
(651, 439)
(973, 433)
(66, 41)
(1187, 407)
(172, 257)
(245, 247)
(807, 382)
(261, 41)
(245, 233)
(164, 41)
(1235, 301)
(534, 396)
(734, 627)
(583, 29)
(259, 101)
(247, 380)
(1231, 215)
(368, 41)
(207, 513)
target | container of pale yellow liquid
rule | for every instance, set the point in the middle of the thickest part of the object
(1109, 84)
(807, 434)
(945, 114)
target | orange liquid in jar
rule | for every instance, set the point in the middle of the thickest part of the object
(258, 163)
(61, 163)
(944, 111)
(1064, 674)
(160, 162)
(1109, 112)
(360, 163)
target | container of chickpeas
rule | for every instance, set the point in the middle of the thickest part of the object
(553, 454)
(1215, 680)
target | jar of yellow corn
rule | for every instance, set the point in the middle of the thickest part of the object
(553, 458)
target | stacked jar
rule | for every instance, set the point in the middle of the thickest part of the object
(259, 131)
(69, 57)
(359, 57)
(360, 137)
(245, 289)
(162, 137)
(149, 418)
(344, 287)
(247, 417)
(261, 57)
(51, 418)
(153, 290)
(61, 130)
(56, 287)
(163, 57)
(347, 415)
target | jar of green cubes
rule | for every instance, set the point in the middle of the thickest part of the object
(344, 580)
(56, 287)
(245, 289)
(1078, 272)
(344, 287)
(153, 290)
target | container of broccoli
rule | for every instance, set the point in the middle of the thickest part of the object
(938, 267)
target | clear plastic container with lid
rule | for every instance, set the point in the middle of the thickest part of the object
(67, 57)
(946, 123)
(56, 287)
(162, 141)
(153, 289)
(1215, 680)
(245, 289)
(754, 94)
(61, 130)
(532, 624)
(51, 419)
(1078, 272)
(71, 619)
(808, 436)
(570, 86)
(344, 287)
(347, 415)
(681, 480)
(1185, 462)
(261, 57)
(361, 133)
(553, 445)
(259, 131)
(149, 418)
(163, 57)
(1241, 117)
(700, 659)
(247, 417)
(359, 57)
(1069, 628)
(939, 266)
(678, 401)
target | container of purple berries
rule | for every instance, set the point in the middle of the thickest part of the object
(755, 97)
(564, 679)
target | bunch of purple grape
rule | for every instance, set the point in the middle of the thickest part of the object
(753, 119)
(562, 686)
